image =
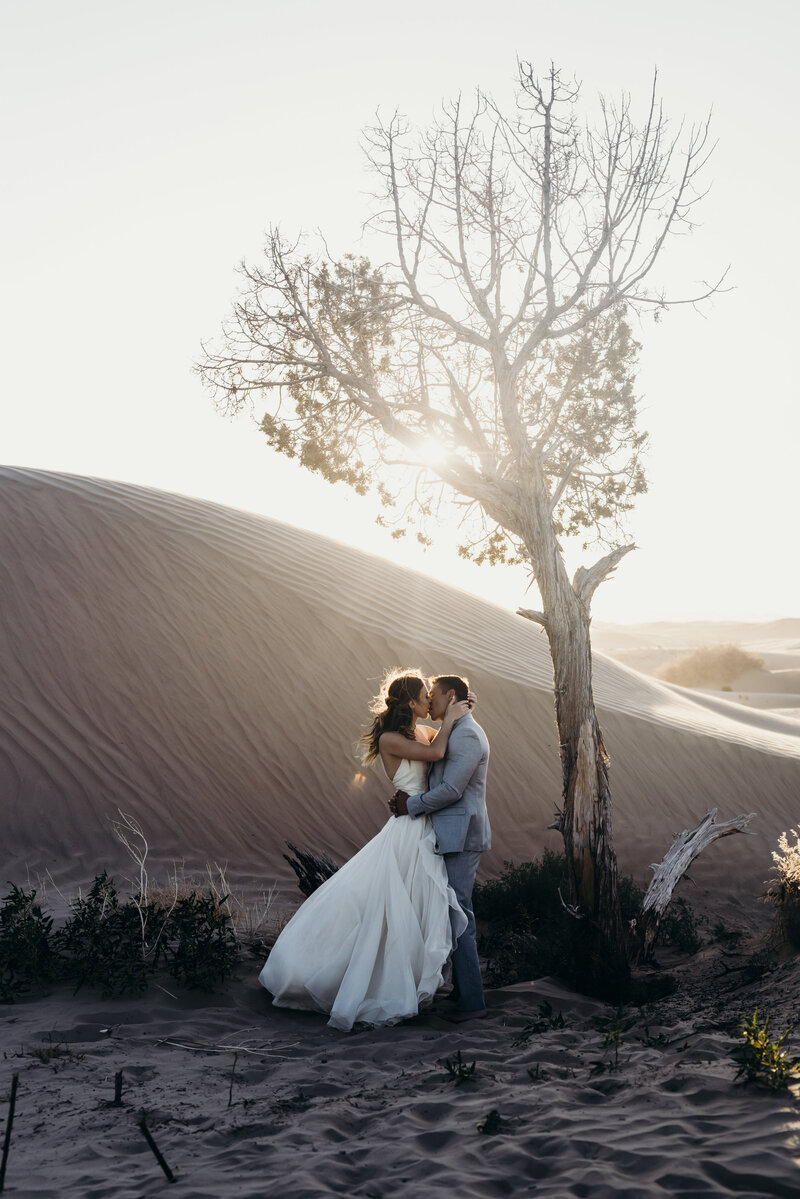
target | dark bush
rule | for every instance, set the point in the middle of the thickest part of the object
(528, 890)
(679, 927)
(529, 933)
(199, 943)
(102, 942)
(114, 945)
(27, 957)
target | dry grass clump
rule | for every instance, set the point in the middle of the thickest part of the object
(783, 889)
(255, 922)
(711, 666)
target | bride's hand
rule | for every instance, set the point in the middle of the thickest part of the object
(472, 699)
(455, 710)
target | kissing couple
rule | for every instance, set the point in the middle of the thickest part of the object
(372, 943)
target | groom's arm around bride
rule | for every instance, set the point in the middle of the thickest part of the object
(456, 803)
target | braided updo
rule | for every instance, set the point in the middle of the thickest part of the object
(391, 709)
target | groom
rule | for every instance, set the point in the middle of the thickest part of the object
(456, 803)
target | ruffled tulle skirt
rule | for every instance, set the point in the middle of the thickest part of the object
(372, 942)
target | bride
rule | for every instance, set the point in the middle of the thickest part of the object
(371, 943)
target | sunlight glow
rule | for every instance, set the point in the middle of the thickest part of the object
(432, 452)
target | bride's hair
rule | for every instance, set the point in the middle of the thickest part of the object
(391, 709)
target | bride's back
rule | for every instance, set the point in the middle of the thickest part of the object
(410, 777)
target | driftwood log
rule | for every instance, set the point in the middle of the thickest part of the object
(676, 861)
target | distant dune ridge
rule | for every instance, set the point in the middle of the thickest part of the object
(209, 671)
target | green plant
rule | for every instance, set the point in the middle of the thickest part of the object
(27, 955)
(631, 897)
(514, 956)
(545, 1022)
(102, 941)
(522, 891)
(614, 1029)
(530, 933)
(458, 1070)
(762, 1060)
(679, 927)
(199, 944)
(537, 1074)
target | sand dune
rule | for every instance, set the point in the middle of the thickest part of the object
(778, 635)
(208, 671)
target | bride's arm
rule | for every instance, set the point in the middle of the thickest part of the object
(416, 751)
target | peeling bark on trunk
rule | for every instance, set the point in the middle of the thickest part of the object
(676, 861)
(586, 828)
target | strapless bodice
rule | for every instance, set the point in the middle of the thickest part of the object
(410, 777)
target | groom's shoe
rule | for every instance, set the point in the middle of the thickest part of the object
(463, 1017)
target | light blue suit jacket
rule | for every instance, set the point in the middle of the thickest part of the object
(456, 795)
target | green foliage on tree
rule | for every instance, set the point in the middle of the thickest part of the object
(487, 357)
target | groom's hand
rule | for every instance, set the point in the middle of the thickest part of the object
(398, 804)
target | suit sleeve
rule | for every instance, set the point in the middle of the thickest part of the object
(459, 766)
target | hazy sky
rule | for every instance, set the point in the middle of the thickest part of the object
(148, 145)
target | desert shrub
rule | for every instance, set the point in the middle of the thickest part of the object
(762, 1060)
(118, 945)
(199, 944)
(528, 890)
(102, 941)
(679, 927)
(631, 898)
(515, 956)
(27, 955)
(711, 666)
(783, 889)
(530, 933)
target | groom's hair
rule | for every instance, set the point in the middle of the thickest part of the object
(453, 682)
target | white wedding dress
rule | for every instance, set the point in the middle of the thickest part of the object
(371, 943)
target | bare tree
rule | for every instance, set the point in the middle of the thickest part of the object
(492, 358)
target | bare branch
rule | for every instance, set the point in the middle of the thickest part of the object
(530, 614)
(586, 582)
(685, 847)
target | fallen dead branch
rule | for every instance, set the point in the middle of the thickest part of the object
(685, 847)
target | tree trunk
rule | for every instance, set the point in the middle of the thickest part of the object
(585, 822)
